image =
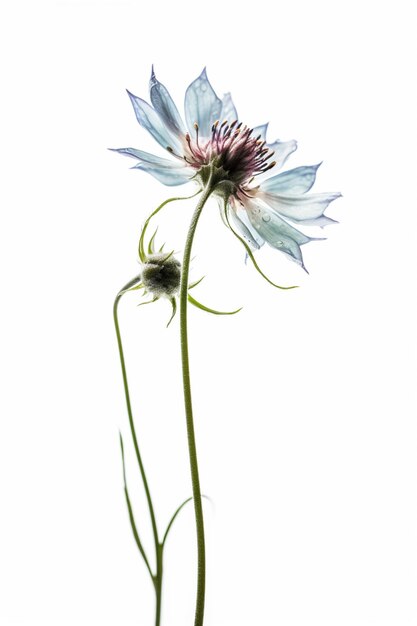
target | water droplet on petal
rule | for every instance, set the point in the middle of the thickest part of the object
(266, 217)
(204, 87)
(279, 244)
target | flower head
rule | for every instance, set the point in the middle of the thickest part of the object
(160, 277)
(161, 274)
(256, 208)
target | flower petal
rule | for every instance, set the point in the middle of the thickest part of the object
(244, 231)
(292, 182)
(228, 111)
(321, 221)
(167, 172)
(282, 150)
(170, 177)
(202, 106)
(307, 209)
(165, 106)
(260, 130)
(149, 119)
(276, 231)
(147, 157)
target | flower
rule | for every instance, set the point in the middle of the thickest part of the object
(160, 277)
(260, 208)
(161, 274)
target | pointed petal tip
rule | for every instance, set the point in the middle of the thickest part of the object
(204, 72)
(120, 150)
(336, 195)
(153, 79)
(133, 98)
(329, 222)
(131, 95)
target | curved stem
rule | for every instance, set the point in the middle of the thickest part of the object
(183, 299)
(141, 248)
(173, 518)
(157, 578)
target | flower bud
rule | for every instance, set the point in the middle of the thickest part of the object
(161, 274)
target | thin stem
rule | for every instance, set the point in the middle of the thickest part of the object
(158, 584)
(157, 578)
(183, 299)
(141, 249)
(173, 518)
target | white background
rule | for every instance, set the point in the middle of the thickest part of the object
(304, 402)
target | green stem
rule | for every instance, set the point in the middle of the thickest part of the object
(183, 299)
(141, 249)
(158, 584)
(157, 578)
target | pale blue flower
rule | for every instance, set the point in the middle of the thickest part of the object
(256, 207)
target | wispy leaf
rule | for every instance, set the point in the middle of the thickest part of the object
(141, 249)
(197, 304)
(130, 511)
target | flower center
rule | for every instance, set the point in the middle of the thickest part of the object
(231, 147)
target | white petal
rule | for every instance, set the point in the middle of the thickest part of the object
(321, 221)
(149, 158)
(300, 208)
(167, 172)
(292, 182)
(260, 130)
(169, 177)
(202, 106)
(244, 231)
(276, 231)
(165, 106)
(149, 119)
(228, 111)
(282, 150)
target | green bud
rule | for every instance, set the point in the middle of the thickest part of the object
(161, 274)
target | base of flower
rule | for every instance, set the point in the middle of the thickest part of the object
(218, 177)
